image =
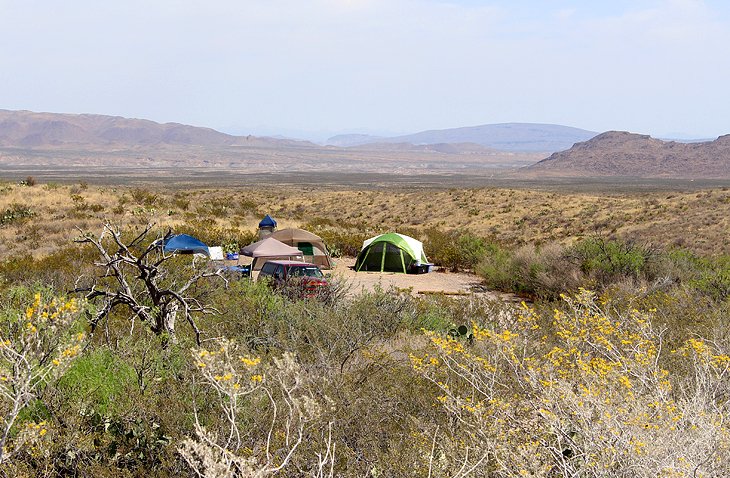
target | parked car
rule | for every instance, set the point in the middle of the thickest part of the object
(295, 278)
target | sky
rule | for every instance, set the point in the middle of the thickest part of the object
(313, 68)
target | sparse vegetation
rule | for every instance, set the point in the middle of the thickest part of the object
(627, 376)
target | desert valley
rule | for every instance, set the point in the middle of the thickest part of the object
(574, 322)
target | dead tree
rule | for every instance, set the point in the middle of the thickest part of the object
(134, 280)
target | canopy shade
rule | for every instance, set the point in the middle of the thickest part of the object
(185, 244)
(269, 248)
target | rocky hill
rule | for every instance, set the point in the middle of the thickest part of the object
(532, 137)
(26, 129)
(617, 153)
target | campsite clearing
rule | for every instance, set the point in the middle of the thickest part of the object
(437, 282)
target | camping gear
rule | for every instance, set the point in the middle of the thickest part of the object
(238, 271)
(311, 245)
(270, 248)
(185, 244)
(216, 253)
(392, 252)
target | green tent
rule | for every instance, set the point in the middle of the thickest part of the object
(391, 252)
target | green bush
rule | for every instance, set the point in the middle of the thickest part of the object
(710, 276)
(16, 213)
(496, 269)
(609, 260)
(99, 380)
(454, 250)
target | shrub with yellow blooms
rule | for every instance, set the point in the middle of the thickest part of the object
(586, 392)
(36, 345)
(266, 409)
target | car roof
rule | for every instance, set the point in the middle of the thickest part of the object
(291, 263)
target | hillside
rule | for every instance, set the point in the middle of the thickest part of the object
(527, 137)
(617, 153)
(26, 129)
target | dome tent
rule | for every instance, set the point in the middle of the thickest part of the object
(311, 245)
(391, 252)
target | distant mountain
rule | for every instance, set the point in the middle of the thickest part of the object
(346, 140)
(617, 153)
(38, 141)
(525, 137)
(26, 129)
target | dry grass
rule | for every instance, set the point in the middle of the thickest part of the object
(698, 220)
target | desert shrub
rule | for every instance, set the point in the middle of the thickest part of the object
(455, 250)
(180, 201)
(352, 354)
(16, 214)
(58, 270)
(340, 242)
(542, 271)
(545, 271)
(38, 341)
(249, 207)
(273, 417)
(143, 197)
(496, 269)
(588, 392)
(608, 260)
(99, 381)
(216, 207)
(708, 275)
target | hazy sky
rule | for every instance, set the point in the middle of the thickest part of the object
(323, 66)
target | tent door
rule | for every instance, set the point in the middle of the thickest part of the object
(306, 247)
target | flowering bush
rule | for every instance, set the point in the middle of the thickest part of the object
(246, 445)
(587, 392)
(35, 345)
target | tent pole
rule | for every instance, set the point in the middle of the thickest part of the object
(363, 260)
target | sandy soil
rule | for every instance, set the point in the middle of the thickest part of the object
(438, 281)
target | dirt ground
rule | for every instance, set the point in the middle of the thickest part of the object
(435, 282)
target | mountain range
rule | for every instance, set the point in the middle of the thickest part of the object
(48, 140)
(531, 137)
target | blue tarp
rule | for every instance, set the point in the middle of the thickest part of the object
(267, 221)
(185, 244)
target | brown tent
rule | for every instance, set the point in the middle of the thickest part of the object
(269, 249)
(311, 245)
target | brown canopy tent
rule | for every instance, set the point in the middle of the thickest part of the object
(311, 245)
(269, 249)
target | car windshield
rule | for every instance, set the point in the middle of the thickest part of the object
(304, 271)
